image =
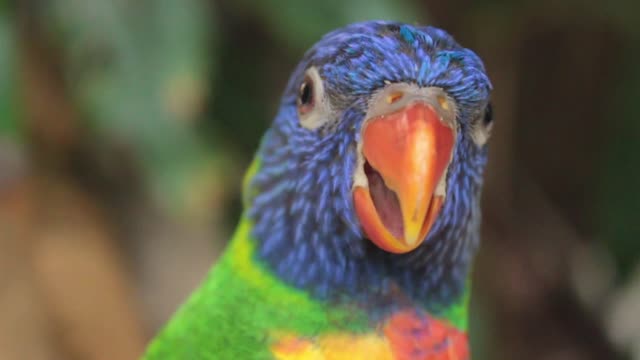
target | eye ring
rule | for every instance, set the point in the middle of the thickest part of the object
(314, 110)
(482, 126)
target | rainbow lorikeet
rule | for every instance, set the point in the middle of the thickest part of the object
(361, 210)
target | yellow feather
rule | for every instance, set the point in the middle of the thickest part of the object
(333, 347)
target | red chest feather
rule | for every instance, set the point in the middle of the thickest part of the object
(418, 336)
(407, 335)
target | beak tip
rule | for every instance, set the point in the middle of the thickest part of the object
(412, 243)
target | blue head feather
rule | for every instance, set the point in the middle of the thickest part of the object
(305, 223)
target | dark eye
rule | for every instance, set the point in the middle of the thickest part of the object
(488, 115)
(306, 98)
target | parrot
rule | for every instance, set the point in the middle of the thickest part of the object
(361, 210)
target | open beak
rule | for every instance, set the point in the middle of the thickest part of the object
(406, 155)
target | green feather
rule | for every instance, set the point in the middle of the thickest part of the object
(238, 307)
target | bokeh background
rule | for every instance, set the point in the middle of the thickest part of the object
(125, 127)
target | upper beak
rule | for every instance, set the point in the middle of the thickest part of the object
(406, 155)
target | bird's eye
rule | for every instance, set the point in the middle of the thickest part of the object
(488, 115)
(306, 99)
(482, 126)
(314, 110)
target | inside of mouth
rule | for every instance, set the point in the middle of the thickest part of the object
(385, 201)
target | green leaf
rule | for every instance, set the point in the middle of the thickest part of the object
(9, 123)
(141, 71)
(619, 192)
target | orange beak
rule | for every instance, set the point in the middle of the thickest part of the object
(407, 153)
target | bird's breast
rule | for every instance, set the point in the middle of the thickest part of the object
(405, 335)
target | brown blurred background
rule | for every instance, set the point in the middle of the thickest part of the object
(125, 127)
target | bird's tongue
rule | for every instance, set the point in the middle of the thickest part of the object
(385, 201)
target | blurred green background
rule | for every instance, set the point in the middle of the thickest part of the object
(126, 126)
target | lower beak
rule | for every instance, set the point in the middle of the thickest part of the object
(406, 156)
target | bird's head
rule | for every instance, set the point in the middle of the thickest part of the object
(380, 138)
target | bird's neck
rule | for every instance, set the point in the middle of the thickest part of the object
(371, 309)
(306, 232)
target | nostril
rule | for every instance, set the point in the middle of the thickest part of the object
(394, 97)
(443, 102)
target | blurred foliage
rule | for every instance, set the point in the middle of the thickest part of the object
(143, 73)
(9, 125)
(140, 70)
(300, 23)
(620, 177)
